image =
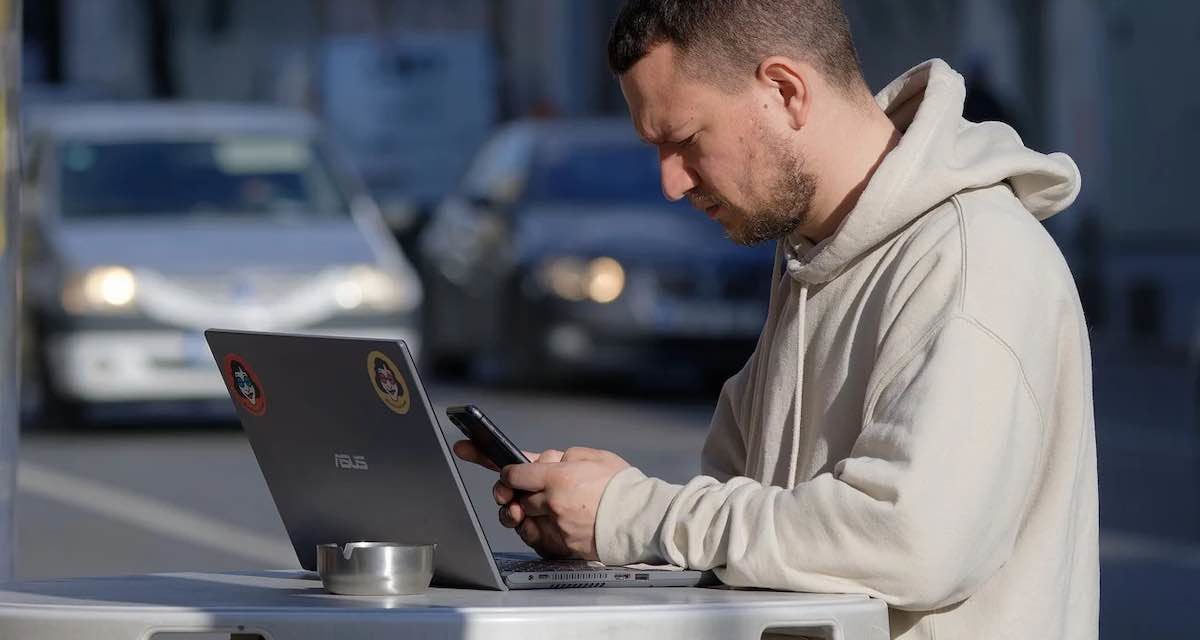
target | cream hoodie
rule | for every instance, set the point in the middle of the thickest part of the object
(916, 421)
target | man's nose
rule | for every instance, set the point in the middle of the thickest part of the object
(677, 180)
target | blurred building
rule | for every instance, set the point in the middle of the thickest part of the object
(392, 77)
(1148, 108)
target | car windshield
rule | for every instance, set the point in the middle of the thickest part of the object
(231, 176)
(594, 172)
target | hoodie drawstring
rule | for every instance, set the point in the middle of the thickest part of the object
(770, 434)
(798, 405)
(756, 436)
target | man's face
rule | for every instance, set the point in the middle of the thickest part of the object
(724, 152)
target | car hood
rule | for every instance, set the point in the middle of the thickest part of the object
(210, 247)
(637, 234)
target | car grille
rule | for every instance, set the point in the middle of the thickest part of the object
(259, 287)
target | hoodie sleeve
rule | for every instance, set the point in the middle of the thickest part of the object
(925, 509)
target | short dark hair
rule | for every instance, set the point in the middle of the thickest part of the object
(723, 39)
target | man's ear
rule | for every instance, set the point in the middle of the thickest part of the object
(790, 83)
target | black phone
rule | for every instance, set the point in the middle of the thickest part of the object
(486, 436)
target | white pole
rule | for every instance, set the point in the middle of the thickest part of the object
(10, 87)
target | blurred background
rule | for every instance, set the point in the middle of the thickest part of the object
(462, 175)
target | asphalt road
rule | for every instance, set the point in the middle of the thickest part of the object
(130, 500)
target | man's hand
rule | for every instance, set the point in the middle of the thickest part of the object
(552, 502)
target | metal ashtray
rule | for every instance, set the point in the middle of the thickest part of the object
(375, 568)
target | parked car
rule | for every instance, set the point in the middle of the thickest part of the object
(559, 254)
(149, 223)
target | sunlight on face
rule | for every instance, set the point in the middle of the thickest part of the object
(718, 150)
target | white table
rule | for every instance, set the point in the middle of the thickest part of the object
(280, 605)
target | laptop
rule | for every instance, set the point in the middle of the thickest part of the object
(351, 449)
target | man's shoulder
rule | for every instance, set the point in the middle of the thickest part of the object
(989, 215)
(983, 235)
(995, 217)
(982, 254)
(1007, 250)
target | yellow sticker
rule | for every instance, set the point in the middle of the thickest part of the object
(389, 384)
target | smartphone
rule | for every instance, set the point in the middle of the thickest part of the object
(486, 436)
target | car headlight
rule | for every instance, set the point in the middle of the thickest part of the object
(369, 287)
(601, 280)
(109, 289)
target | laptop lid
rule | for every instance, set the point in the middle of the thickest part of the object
(350, 447)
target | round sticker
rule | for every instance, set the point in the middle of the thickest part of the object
(388, 383)
(243, 384)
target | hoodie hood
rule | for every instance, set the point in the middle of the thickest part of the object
(939, 155)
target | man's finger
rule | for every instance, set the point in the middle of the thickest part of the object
(512, 515)
(502, 493)
(549, 455)
(467, 450)
(516, 512)
(547, 538)
(534, 504)
(527, 477)
(529, 532)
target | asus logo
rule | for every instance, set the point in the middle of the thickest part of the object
(344, 461)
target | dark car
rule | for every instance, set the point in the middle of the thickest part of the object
(559, 254)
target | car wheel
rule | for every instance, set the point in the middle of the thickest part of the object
(447, 367)
(60, 414)
(436, 359)
(522, 350)
(523, 366)
(53, 410)
(50, 408)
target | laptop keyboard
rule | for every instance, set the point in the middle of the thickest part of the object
(525, 565)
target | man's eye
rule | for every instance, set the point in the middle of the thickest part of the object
(687, 142)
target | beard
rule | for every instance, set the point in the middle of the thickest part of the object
(791, 190)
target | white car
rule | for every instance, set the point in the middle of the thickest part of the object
(152, 222)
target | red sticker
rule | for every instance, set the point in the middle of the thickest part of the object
(243, 384)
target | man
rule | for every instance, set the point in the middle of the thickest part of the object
(916, 421)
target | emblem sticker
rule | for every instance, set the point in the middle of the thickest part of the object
(244, 385)
(388, 383)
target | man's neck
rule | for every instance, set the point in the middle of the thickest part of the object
(871, 137)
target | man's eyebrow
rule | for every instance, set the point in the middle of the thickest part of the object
(655, 141)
